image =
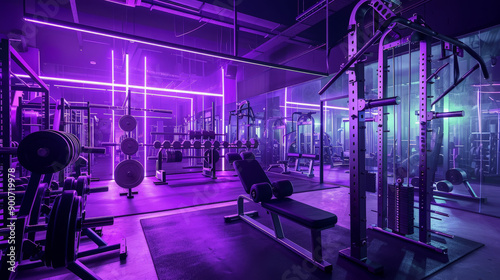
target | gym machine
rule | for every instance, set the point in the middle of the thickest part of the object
(45, 153)
(243, 110)
(170, 152)
(402, 225)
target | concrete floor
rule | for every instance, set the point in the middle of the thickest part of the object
(481, 264)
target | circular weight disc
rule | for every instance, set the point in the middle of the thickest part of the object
(129, 174)
(444, 186)
(82, 186)
(127, 123)
(62, 229)
(74, 229)
(166, 144)
(44, 152)
(129, 146)
(216, 144)
(197, 144)
(177, 145)
(186, 144)
(456, 176)
(208, 156)
(50, 232)
(69, 184)
(157, 144)
(207, 144)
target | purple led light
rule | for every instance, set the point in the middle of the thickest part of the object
(316, 105)
(113, 113)
(223, 113)
(122, 85)
(171, 47)
(145, 106)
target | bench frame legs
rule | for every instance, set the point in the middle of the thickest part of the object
(315, 257)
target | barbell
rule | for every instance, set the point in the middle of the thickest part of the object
(177, 145)
(177, 156)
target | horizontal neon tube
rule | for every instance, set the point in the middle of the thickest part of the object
(142, 116)
(165, 45)
(122, 85)
(316, 105)
(135, 92)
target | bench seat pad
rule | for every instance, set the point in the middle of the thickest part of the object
(303, 214)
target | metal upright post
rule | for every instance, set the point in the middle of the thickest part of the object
(5, 119)
(46, 104)
(382, 138)
(425, 188)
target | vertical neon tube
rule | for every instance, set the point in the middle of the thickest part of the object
(112, 114)
(223, 114)
(145, 107)
(286, 101)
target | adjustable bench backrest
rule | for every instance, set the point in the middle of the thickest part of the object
(250, 172)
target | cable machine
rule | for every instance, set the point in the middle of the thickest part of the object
(386, 20)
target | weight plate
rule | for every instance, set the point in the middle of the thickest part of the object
(186, 144)
(49, 235)
(216, 144)
(44, 152)
(157, 144)
(197, 144)
(127, 123)
(166, 144)
(62, 229)
(129, 146)
(456, 176)
(208, 157)
(207, 144)
(81, 186)
(177, 145)
(69, 184)
(74, 231)
(129, 174)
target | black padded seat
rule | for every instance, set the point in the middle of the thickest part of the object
(310, 156)
(253, 174)
(303, 214)
(294, 155)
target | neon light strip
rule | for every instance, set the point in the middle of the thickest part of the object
(301, 108)
(316, 105)
(140, 116)
(145, 106)
(151, 42)
(286, 93)
(126, 77)
(122, 85)
(113, 114)
(223, 113)
(135, 92)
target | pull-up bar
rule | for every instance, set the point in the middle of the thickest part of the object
(389, 25)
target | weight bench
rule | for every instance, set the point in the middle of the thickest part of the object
(311, 157)
(283, 164)
(257, 184)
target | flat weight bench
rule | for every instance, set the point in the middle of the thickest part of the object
(251, 174)
(311, 157)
